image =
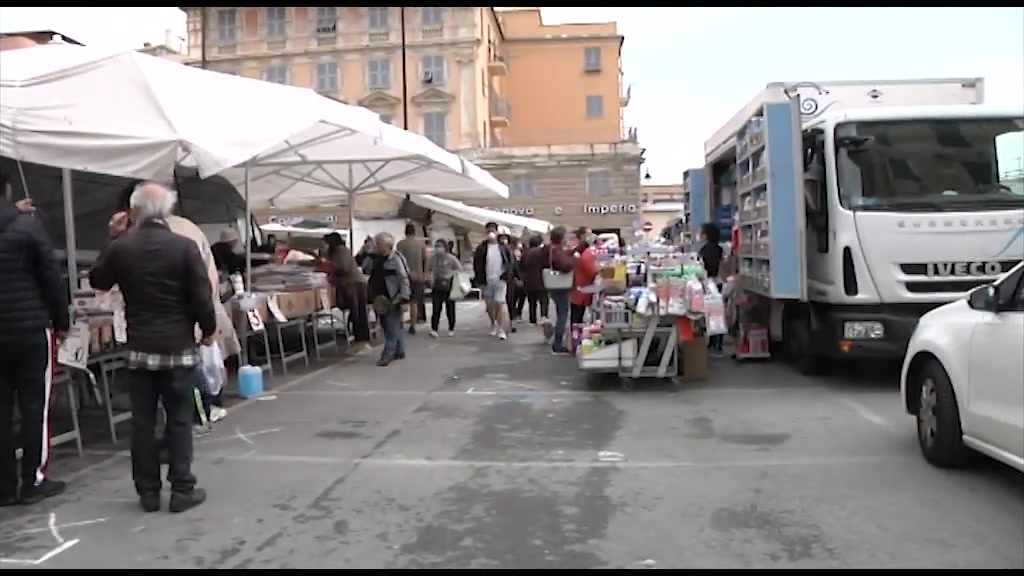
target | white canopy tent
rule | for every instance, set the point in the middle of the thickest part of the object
(480, 216)
(123, 113)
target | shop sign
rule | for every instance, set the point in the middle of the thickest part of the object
(515, 210)
(603, 209)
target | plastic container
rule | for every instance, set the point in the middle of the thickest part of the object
(250, 381)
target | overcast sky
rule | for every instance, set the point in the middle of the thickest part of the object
(693, 68)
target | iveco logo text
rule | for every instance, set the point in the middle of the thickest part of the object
(935, 269)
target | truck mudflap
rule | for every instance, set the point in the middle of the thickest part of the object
(853, 331)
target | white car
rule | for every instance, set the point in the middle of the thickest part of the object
(963, 376)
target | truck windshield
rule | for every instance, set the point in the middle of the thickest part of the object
(967, 164)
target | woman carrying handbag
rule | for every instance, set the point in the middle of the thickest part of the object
(558, 281)
(443, 267)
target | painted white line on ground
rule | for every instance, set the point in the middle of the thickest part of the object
(238, 435)
(868, 414)
(75, 524)
(554, 464)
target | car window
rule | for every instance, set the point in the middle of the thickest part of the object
(1017, 303)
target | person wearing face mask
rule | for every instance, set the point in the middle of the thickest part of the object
(584, 274)
(442, 267)
(492, 267)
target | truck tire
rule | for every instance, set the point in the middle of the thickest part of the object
(797, 333)
(939, 432)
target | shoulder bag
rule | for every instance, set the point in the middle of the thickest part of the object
(553, 279)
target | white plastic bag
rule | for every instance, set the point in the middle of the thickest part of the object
(212, 366)
(460, 287)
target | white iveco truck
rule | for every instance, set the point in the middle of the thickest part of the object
(862, 205)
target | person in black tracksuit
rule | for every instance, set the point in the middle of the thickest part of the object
(33, 315)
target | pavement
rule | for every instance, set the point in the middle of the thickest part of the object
(474, 453)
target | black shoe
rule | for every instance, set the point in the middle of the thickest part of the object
(181, 501)
(412, 330)
(399, 355)
(150, 502)
(385, 360)
(32, 494)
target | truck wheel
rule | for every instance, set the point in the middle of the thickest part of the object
(798, 337)
(939, 433)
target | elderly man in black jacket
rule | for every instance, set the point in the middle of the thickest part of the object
(166, 292)
(33, 314)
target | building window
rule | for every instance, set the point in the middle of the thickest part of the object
(387, 118)
(521, 186)
(599, 183)
(277, 25)
(378, 74)
(435, 127)
(592, 59)
(595, 106)
(433, 69)
(433, 17)
(226, 27)
(276, 74)
(327, 77)
(326, 20)
(378, 17)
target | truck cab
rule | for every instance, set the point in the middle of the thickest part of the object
(907, 208)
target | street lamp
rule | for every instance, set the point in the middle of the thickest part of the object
(405, 78)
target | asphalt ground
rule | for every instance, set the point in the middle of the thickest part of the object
(474, 453)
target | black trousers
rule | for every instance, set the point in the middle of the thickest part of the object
(26, 374)
(355, 301)
(576, 313)
(518, 300)
(537, 299)
(439, 299)
(174, 389)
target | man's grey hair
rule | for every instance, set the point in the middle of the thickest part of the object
(384, 240)
(152, 200)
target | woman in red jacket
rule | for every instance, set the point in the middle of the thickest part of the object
(584, 274)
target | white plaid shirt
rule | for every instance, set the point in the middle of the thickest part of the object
(147, 361)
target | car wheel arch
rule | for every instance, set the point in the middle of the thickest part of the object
(912, 399)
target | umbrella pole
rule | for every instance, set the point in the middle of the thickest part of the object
(248, 234)
(352, 222)
(70, 242)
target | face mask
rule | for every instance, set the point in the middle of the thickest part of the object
(590, 239)
(492, 237)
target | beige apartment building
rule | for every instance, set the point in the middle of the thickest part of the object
(540, 106)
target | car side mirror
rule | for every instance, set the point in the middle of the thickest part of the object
(984, 298)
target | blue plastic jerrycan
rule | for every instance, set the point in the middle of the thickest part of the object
(250, 381)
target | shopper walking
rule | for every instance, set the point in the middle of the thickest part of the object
(561, 260)
(350, 287)
(584, 275)
(389, 289)
(33, 314)
(442, 268)
(492, 269)
(166, 290)
(531, 270)
(710, 254)
(415, 253)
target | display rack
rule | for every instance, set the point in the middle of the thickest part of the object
(770, 201)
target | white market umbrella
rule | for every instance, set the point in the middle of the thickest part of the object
(330, 170)
(456, 210)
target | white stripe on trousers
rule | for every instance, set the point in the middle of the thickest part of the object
(44, 453)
